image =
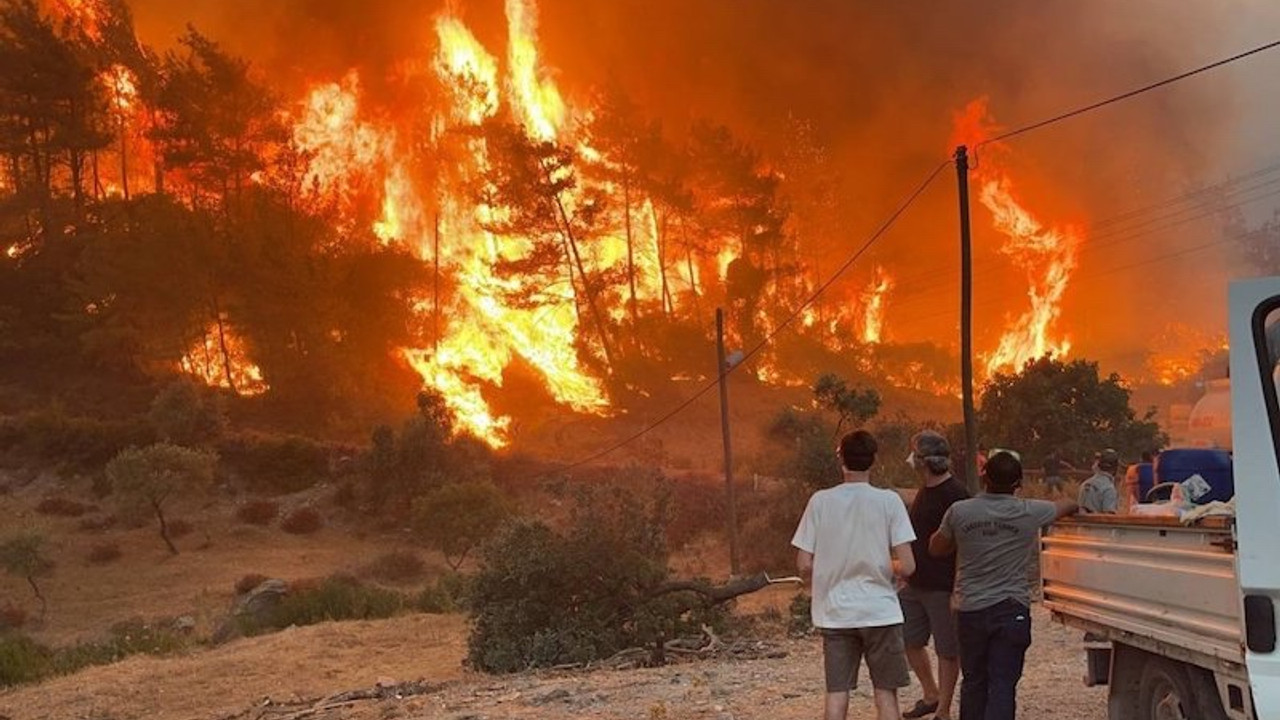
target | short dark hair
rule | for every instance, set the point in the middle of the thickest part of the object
(858, 450)
(1003, 471)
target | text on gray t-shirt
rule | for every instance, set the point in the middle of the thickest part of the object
(995, 537)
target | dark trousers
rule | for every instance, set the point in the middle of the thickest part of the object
(993, 645)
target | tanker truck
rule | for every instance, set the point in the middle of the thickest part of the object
(1180, 614)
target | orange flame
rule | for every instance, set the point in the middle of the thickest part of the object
(1179, 353)
(1046, 254)
(873, 299)
(537, 100)
(122, 85)
(86, 15)
(205, 361)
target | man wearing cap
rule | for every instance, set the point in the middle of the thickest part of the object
(853, 540)
(1098, 493)
(994, 537)
(926, 599)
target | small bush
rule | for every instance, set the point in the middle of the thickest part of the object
(303, 521)
(62, 507)
(249, 582)
(80, 443)
(337, 597)
(446, 595)
(12, 617)
(397, 566)
(23, 659)
(276, 464)
(97, 523)
(184, 413)
(258, 512)
(103, 553)
(180, 528)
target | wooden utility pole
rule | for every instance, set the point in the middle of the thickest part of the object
(722, 371)
(966, 324)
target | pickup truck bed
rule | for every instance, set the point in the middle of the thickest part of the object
(1150, 583)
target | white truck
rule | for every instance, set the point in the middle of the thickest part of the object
(1181, 620)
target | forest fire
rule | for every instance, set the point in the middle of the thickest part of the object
(1180, 353)
(873, 299)
(219, 358)
(1046, 254)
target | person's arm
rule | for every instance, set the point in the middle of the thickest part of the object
(804, 563)
(943, 543)
(1063, 508)
(904, 561)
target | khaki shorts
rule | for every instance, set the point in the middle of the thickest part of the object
(844, 648)
(928, 613)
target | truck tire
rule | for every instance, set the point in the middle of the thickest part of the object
(1171, 691)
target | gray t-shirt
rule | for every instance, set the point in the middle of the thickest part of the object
(1098, 494)
(995, 537)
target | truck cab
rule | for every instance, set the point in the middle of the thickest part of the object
(1181, 616)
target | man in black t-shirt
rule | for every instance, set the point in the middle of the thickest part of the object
(926, 599)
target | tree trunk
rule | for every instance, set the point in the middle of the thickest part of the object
(124, 160)
(693, 280)
(714, 594)
(222, 345)
(164, 528)
(44, 605)
(631, 258)
(592, 305)
(660, 226)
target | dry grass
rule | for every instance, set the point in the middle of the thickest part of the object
(103, 553)
(303, 521)
(62, 507)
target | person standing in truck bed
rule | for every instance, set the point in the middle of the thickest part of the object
(1098, 493)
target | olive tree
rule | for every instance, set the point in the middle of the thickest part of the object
(23, 556)
(147, 478)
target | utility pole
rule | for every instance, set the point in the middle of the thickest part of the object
(722, 371)
(966, 324)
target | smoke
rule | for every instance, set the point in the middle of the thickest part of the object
(877, 83)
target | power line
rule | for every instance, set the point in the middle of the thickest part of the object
(714, 382)
(1132, 93)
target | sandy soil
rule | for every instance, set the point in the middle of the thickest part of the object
(281, 675)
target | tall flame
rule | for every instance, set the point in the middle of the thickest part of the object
(206, 361)
(537, 100)
(873, 300)
(1046, 254)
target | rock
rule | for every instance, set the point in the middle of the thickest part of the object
(260, 601)
(185, 624)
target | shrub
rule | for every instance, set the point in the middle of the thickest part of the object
(397, 566)
(337, 597)
(249, 582)
(12, 617)
(258, 512)
(457, 517)
(180, 528)
(303, 521)
(103, 553)
(184, 413)
(447, 594)
(62, 507)
(145, 478)
(80, 443)
(22, 659)
(98, 523)
(276, 464)
(542, 598)
(23, 556)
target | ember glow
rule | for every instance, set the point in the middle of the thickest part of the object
(1046, 254)
(1178, 353)
(232, 370)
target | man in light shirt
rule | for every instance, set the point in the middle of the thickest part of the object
(855, 542)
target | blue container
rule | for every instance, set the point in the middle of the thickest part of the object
(1178, 464)
(1146, 480)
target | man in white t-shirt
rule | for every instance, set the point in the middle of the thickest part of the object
(855, 541)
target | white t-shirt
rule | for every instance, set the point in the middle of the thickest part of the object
(851, 529)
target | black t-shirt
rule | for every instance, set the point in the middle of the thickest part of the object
(926, 512)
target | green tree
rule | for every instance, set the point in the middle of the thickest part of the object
(1065, 406)
(23, 556)
(851, 405)
(186, 414)
(148, 478)
(458, 517)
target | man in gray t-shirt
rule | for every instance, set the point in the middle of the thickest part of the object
(994, 537)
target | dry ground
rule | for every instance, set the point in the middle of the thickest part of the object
(277, 676)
